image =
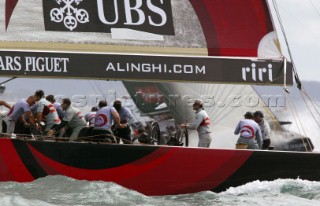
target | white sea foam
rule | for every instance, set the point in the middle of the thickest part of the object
(59, 190)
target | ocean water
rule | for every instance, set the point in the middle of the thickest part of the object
(59, 190)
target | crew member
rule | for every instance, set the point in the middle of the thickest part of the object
(126, 119)
(250, 133)
(2, 115)
(46, 111)
(90, 117)
(73, 118)
(201, 124)
(105, 117)
(60, 112)
(20, 108)
(56, 104)
(265, 128)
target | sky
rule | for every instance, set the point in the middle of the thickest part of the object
(301, 22)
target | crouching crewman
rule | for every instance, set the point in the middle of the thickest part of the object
(105, 117)
(73, 118)
(126, 119)
(250, 133)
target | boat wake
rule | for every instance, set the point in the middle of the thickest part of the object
(59, 190)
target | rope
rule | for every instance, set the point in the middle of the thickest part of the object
(304, 94)
(298, 82)
(310, 109)
(311, 100)
(42, 137)
(287, 43)
(314, 7)
(274, 79)
(94, 137)
(293, 108)
(285, 74)
(8, 80)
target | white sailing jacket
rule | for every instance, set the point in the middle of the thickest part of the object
(201, 122)
(248, 128)
(265, 129)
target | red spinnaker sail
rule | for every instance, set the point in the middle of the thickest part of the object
(10, 5)
(233, 27)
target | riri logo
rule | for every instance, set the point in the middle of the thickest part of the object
(153, 16)
(257, 74)
(69, 14)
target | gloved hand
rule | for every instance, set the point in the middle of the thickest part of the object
(51, 133)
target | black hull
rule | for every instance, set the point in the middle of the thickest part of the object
(152, 170)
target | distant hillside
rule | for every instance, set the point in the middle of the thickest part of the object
(311, 87)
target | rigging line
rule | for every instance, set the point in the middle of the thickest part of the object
(8, 80)
(312, 114)
(298, 116)
(285, 74)
(314, 118)
(101, 89)
(293, 111)
(311, 98)
(289, 51)
(303, 126)
(297, 20)
(18, 135)
(295, 115)
(310, 110)
(95, 87)
(96, 90)
(314, 7)
(265, 105)
(314, 103)
(285, 38)
(271, 83)
(295, 119)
